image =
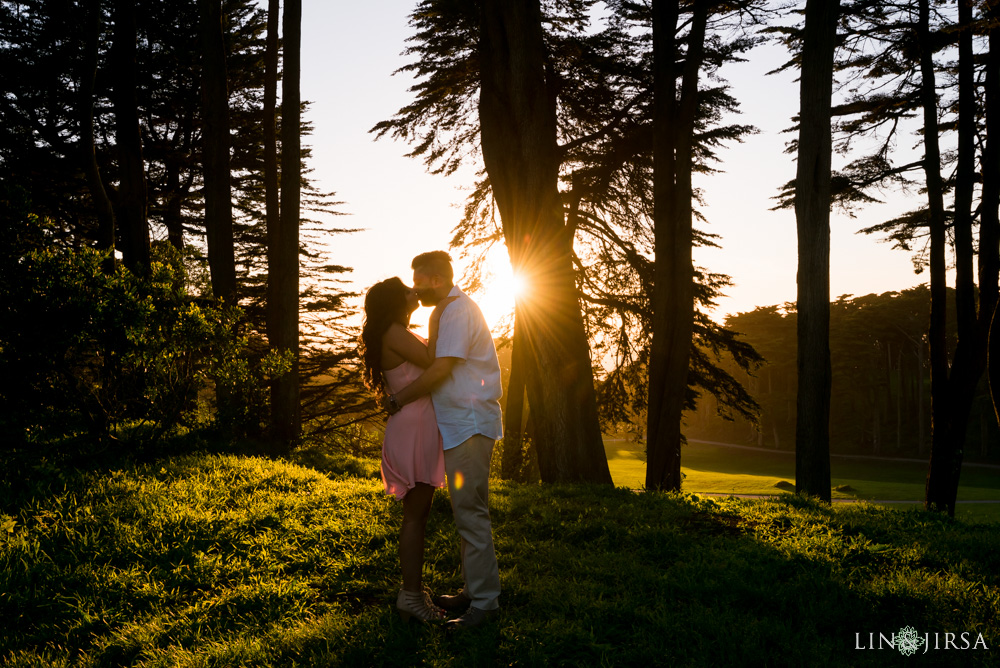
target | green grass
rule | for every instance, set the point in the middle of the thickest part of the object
(712, 469)
(222, 561)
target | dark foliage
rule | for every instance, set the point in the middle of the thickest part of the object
(42, 68)
(598, 70)
(83, 349)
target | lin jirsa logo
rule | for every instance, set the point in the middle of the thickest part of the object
(909, 642)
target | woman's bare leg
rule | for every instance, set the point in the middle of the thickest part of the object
(416, 508)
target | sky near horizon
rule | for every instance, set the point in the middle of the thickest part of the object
(350, 51)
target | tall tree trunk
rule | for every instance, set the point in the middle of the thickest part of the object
(989, 211)
(936, 495)
(812, 217)
(172, 218)
(218, 188)
(99, 195)
(512, 463)
(973, 330)
(268, 121)
(283, 256)
(673, 278)
(517, 113)
(989, 234)
(131, 209)
(971, 352)
(664, 410)
(178, 178)
(965, 281)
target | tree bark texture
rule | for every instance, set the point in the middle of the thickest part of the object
(218, 186)
(131, 205)
(812, 218)
(272, 209)
(173, 219)
(283, 256)
(517, 112)
(971, 352)
(512, 463)
(989, 230)
(965, 279)
(989, 214)
(673, 271)
(936, 493)
(95, 183)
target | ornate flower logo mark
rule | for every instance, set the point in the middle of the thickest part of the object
(908, 641)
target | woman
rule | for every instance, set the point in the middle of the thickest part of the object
(412, 456)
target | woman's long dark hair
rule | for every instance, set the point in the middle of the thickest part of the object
(385, 304)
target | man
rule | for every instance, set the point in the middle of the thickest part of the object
(464, 384)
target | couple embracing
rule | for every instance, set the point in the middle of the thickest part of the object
(442, 395)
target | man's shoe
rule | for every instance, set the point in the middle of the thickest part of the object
(457, 603)
(472, 618)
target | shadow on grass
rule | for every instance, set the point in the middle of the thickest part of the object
(234, 561)
(595, 576)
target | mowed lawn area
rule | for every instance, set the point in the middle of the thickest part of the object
(717, 469)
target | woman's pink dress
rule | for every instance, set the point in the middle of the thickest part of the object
(412, 450)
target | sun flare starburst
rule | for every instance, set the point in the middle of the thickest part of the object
(500, 288)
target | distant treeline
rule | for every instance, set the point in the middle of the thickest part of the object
(881, 380)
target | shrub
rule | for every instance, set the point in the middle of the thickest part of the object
(81, 346)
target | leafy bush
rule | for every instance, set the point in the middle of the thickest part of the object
(82, 346)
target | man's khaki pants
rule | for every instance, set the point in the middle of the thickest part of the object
(468, 468)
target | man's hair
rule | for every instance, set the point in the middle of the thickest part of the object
(434, 263)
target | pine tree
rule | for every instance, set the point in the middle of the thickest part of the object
(283, 256)
(519, 144)
(893, 55)
(216, 137)
(59, 142)
(602, 89)
(812, 214)
(133, 225)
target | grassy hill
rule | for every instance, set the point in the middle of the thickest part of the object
(222, 560)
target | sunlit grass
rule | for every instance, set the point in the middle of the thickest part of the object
(221, 560)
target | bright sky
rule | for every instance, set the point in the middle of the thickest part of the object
(350, 51)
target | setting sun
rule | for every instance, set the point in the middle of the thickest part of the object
(496, 297)
(500, 287)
